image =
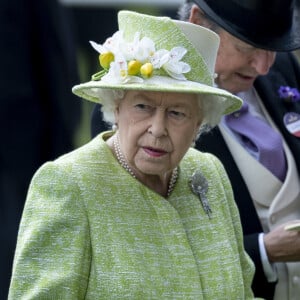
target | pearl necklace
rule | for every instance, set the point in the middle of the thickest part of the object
(122, 161)
(120, 156)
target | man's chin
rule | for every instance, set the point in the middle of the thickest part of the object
(237, 87)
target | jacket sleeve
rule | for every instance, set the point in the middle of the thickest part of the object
(247, 265)
(52, 258)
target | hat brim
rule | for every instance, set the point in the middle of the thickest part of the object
(92, 90)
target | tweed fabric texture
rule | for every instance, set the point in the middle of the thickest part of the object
(89, 230)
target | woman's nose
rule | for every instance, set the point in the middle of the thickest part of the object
(158, 126)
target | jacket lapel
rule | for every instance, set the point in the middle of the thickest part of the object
(214, 142)
(284, 72)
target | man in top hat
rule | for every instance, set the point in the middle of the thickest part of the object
(267, 191)
(252, 64)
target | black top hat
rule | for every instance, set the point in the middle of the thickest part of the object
(268, 24)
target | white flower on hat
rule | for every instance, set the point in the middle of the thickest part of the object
(112, 44)
(170, 62)
(118, 72)
(139, 50)
(125, 62)
(109, 49)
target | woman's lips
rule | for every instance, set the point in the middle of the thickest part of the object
(154, 152)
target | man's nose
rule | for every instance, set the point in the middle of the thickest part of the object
(262, 60)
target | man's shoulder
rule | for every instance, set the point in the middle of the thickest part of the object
(284, 57)
(284, 61)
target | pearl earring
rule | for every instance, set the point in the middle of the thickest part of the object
(114, 127)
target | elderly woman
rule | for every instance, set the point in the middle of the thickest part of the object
(136, 213)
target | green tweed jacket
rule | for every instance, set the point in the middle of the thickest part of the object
(91, 231)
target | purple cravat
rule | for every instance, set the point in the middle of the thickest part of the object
(259, 137)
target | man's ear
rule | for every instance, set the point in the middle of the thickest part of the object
(197, 16)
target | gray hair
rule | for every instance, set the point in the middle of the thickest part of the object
(184, 11)
(211, 107)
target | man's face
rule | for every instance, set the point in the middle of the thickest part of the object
(239, 64)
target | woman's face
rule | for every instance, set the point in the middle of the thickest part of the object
(156, 129)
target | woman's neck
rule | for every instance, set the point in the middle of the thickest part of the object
(161, 184)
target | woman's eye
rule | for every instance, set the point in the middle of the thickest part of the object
(142, 106)
(177, 114)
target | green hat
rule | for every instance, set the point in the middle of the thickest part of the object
(157, 54)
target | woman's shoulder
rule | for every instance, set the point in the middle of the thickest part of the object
(90, 150)
(83, 159)
(195, 156)
(207, 162)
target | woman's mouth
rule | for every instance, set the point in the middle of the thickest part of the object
(154, 152)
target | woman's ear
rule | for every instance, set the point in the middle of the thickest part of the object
(116, 113)
(117, 105)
